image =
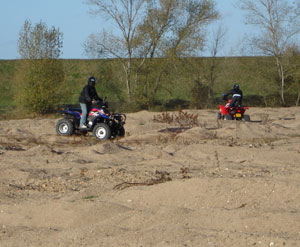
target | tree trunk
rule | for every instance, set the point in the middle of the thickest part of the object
(282, 79)
(127, 70)
(282, 86)
(212, 79)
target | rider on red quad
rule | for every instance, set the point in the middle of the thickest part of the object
(237, 96)
(87, 95)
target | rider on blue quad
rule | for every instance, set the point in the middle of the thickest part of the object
(87, 95)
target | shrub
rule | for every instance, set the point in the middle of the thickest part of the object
(40, 85)
(40, 76)
(200, 97)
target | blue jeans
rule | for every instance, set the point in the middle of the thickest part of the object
(85, 108)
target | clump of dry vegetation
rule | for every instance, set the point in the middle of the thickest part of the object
(181, 118)
(152, 178)
(267, 122)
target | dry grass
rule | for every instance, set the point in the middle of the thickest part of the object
(180, 118)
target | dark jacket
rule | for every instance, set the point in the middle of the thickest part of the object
(87, 95)
(236, 92)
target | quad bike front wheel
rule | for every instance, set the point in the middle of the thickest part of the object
(64, 127)
(102, 131)
(121, 132)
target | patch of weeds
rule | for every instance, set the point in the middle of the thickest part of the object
(155, 177)
(185, 171)
(266, 121)
(89, 197)
(181, 118)
(164, 117)
(265, 118)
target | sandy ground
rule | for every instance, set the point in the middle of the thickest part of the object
(219, 183)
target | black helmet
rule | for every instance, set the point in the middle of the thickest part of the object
(92, 81)
(236, 86)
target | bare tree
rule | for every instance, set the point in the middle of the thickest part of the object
(278, 24)
(39, 41)
(148, 29)
(176, 29)
(214, 48)
(126, 15)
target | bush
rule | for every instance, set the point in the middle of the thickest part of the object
(40, 85)
(200, 97)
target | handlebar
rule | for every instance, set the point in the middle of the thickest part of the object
(102, 104)
(224, 97)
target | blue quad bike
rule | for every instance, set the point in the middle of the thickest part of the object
(103, 124)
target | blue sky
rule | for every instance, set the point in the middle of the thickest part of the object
(73, 20)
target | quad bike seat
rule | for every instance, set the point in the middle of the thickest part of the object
(75, 109)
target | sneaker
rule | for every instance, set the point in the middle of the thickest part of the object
(82, 127)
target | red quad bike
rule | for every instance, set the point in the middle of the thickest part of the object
(233, 113)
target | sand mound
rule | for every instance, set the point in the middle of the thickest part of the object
(216, 183)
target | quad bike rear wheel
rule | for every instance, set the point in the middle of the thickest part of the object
(246, 118)
(102, 131)
(64, 127)
(228, 117)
